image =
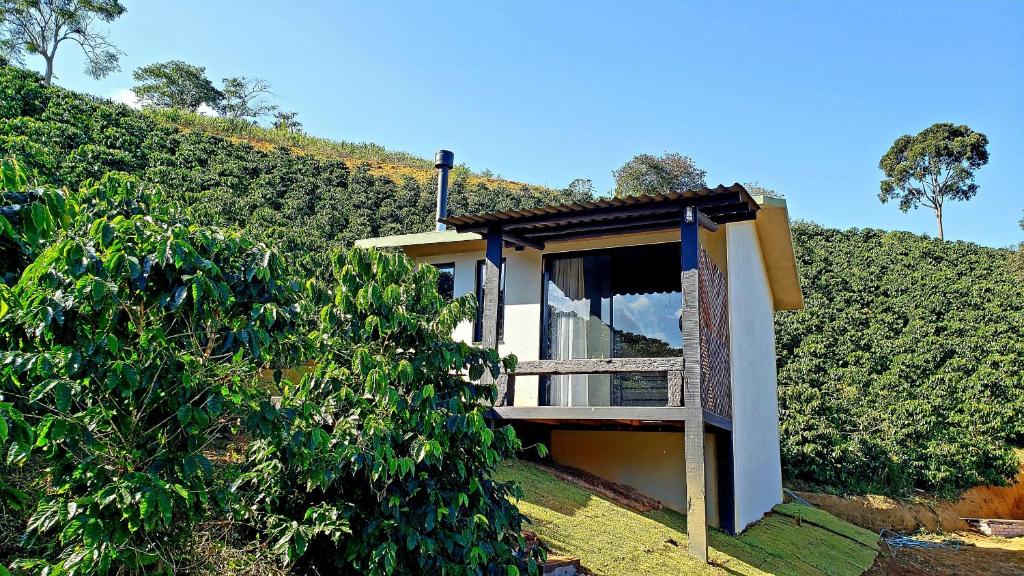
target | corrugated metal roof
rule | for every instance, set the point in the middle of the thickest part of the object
(606, 209)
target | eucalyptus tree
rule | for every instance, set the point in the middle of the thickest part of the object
(936, 165)
(41, 26)
(649, 174)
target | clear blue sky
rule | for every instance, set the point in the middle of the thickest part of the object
(803, 97)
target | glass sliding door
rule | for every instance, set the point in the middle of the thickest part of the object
(618, 303)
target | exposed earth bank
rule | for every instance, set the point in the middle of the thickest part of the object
(878, 512)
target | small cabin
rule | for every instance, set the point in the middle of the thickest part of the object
(645, 337)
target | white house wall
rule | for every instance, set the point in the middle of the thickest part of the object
(523, 274)
(755, 416)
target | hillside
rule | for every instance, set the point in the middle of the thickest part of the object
(612, 540)
(905, 371)
(306, 195)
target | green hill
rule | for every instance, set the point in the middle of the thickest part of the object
(905, 371)
(906, 368)
(304, 194)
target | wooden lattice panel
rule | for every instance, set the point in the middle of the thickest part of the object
(715, 386)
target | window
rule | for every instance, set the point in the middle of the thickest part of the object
(446, 280)
(481, 277)
(617, 303)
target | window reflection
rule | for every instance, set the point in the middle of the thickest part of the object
(619, 303)
(446, 280)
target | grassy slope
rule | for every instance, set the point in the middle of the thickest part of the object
(610, 540)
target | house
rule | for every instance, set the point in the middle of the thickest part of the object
(645, 337)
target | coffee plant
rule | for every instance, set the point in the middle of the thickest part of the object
(379, 460)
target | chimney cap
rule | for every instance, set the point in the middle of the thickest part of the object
(444, 159)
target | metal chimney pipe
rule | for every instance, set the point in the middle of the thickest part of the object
(443, 161)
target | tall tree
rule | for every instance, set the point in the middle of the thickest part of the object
(176, 84)
(244, 98)
(41, 26)
(935, 165)
(649, 174)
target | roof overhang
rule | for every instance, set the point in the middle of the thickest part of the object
(533, 227)
(776, 242)
(428, 243)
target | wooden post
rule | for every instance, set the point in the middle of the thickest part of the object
(675, 388)
(492, 276)
(696, 502)
(506, 389)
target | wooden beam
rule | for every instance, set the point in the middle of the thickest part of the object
(521, 241)
(693, 435)
(713, 211)
(596, 214)
(634, 229)
(599, 366)
(492, 276)
(716, 421)
(706, 222)
(736, 217)
(610, 413)
(600, 225)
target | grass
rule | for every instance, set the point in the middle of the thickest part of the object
(611, 540)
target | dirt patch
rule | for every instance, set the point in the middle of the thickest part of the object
(878, 512)
(977, 555)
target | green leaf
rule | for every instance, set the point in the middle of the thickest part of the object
(40, 217)
(62, 397)
(185, 414)
(165, 508)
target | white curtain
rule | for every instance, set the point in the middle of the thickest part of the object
(569, 332)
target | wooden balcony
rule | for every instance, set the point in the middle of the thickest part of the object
(674, 413)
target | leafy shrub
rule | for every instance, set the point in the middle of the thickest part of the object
(127, 343)
(906, 369)
(379, 461)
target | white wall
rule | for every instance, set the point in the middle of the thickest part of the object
(755, 412)
(523, 274)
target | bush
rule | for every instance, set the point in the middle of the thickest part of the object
(379, 461)
(906, 368)
(128, 342)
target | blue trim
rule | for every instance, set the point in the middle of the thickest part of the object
(689, 235)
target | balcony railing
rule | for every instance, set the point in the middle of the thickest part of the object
(675, 409)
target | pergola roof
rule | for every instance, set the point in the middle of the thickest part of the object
(612, 215)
